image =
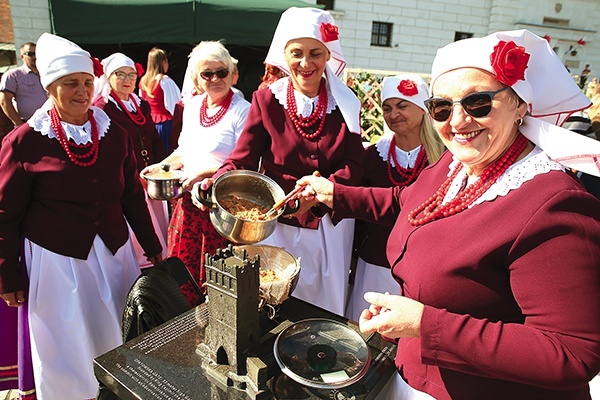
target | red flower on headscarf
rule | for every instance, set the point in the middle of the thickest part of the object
(329, 32)
(408, 87)
(139, 69)
(509, 62)
(98, 69)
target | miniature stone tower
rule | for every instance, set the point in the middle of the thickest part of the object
(233, 322)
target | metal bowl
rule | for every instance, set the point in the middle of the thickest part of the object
(162, 188)
(247, 185)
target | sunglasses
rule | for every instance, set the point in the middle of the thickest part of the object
(478, 104)
(122, 75)
(29, 53)
(221, 73)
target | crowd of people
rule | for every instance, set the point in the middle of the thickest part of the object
(464, 234)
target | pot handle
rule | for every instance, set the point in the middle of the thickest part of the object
(202, 196)
(290, 210)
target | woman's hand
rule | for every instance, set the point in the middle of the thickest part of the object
(14, 299)
(316, 188)
(391, 316)
(304, 206)
(204, 185)
(190, 178)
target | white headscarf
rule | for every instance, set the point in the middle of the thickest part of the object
(296, 23)
(409, 87)
(527, 63)
(110, 65)
(57, 57)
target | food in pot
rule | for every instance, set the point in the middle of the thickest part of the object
(268, 275)
(244, 209)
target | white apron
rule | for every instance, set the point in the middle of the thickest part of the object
(397, 389)
(324, 260)
(75, 312)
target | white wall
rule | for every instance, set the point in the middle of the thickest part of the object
(420, 27)
(30, 18)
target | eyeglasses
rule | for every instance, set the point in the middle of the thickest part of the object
(29, 53)
(478, 104)
(221, 73)
(122, 75)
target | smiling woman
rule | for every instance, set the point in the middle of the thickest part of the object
(68, 188)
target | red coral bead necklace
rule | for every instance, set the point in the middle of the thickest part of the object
(207, 121)
(433, 208)
(409, 175)
(138, 118)
(300, 122)
(66, 144)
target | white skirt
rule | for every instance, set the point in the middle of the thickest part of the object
(397, 389)
(160, 220)
(324, 260)
(369, 278)
(75, 312)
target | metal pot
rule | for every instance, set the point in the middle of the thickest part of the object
(164, 188)
(247, 185)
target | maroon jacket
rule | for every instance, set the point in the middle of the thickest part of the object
(286, 156)
(510, 287)
(61, 206)
(145, 134)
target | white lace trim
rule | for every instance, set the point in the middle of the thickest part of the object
(304, 103)
(128, 103)
(80, 134)
(406, 159)
(535, 163)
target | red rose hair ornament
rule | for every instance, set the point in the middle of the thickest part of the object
(408, 87)
(329, 32)
(139, 69)
(509, 62)
(98, 68)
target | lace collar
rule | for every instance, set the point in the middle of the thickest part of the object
(305, 104)
(535, 163)
(128, 103)
(406, 159)
(80, 134)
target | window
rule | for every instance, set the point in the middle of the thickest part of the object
(555, 21)
(381, 34)
(462, 35)
(327, 3)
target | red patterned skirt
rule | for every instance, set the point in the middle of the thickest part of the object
(190, 236)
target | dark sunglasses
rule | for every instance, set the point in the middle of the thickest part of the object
(220, 73)
(478, 104)
(122, 75)
(29, 53)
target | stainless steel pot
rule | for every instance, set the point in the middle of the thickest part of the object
(247, 185)
(164, 188)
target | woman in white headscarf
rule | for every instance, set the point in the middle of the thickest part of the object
(68, 187)
(495, 246)
(301, 124)
(117, 99)
(397, 159)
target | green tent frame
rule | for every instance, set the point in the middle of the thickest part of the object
(239, 22)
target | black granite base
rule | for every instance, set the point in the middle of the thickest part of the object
(164, 364)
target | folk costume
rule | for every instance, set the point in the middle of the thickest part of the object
(134, 116)
(386, 165)
(332, 146)
(68, 216)
(510, 281)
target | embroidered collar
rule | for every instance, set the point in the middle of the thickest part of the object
(305, 104)
(406, 159)
(128, 103)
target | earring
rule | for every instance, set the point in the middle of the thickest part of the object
(519, 122)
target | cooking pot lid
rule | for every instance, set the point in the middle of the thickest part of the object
(322, 353)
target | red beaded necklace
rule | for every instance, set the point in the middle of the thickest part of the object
(433, 208)
(138, 118)
(409, 175)
(207, 121)
(301, 122)
(61, 136)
